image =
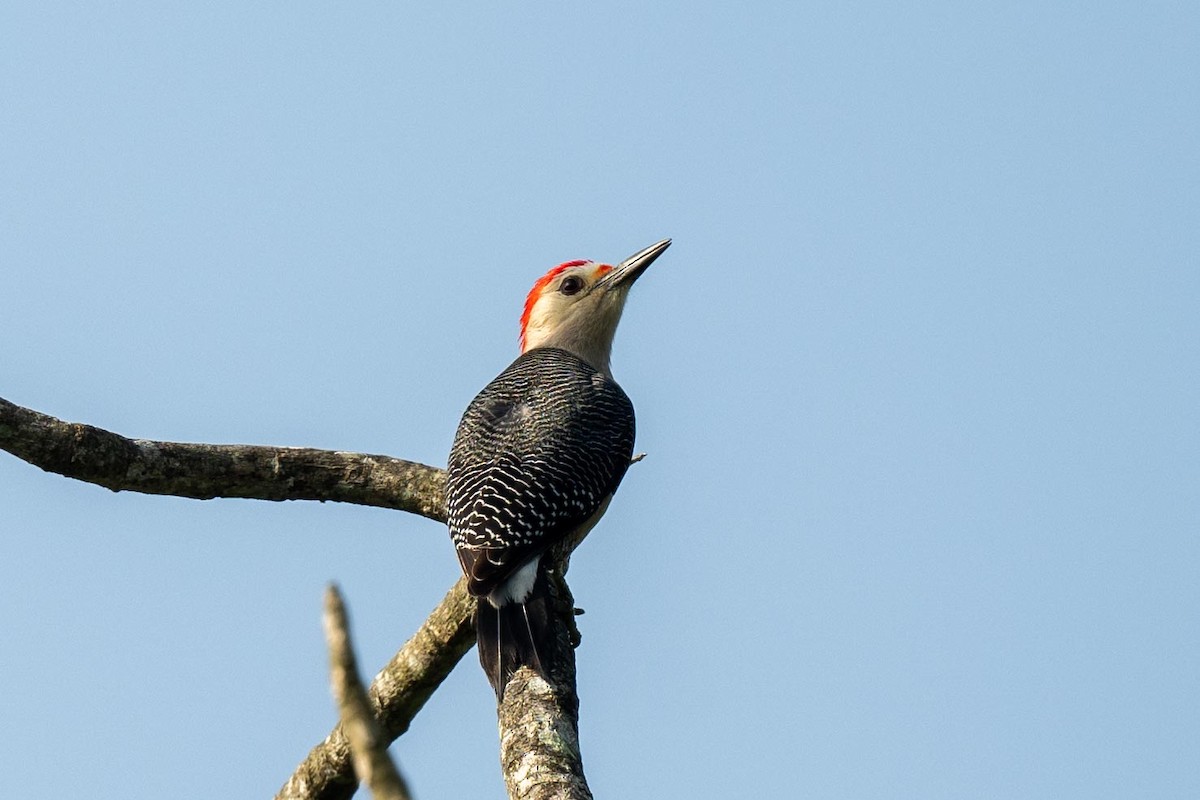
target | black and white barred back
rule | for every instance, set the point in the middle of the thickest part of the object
(537, 454)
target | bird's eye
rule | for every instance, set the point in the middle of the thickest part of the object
(571, 285)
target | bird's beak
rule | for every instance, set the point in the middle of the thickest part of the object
(628, 271)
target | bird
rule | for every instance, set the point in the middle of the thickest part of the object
(538, 455)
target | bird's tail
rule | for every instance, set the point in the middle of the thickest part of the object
(514, 636)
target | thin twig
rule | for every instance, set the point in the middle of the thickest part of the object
(397, 694)
(371, 761)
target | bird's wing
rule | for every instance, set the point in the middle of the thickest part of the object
(533, 460)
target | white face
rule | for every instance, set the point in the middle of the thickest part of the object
(566, 313)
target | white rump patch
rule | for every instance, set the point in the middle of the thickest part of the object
(518, 587)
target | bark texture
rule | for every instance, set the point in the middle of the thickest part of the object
(367, 744)
(397, 694)
(539, 718)
(205, 471)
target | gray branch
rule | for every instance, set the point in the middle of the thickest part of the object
(539, 719)
(205, 471)
(539, 742)
(396, 694)
(371, 761)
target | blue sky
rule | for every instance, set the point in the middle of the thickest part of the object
(918, 382)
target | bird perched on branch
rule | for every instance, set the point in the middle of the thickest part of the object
(538, 455)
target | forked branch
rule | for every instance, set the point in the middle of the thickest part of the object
(538, 719)
(397, 694)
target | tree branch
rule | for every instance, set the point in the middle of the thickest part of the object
(205, 471)
(397, 694)
(371, 761)
(539, 718)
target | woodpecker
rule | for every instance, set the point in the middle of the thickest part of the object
(538, 455)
